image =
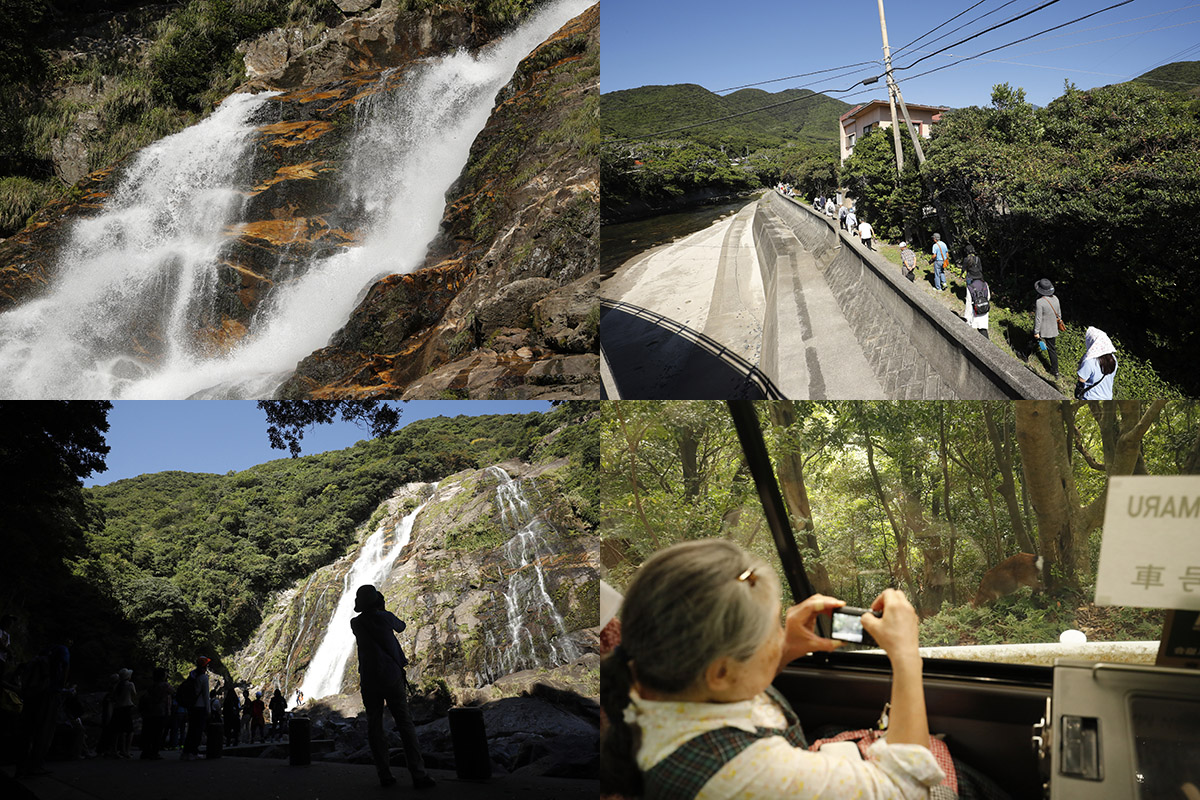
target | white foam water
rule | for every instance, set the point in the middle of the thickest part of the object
(152, 253)
(327, 669)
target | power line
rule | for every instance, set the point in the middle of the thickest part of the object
(1084, 71)
(988, 30)
(793, 77)
(1010, 44)
(1122, 22)
(1110, 38)
(947, 22)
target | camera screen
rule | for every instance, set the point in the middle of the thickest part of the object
(847, 627)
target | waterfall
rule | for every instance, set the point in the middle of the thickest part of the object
(535, 628)
(147, 263)
(372, 565)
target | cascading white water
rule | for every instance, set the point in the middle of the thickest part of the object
(328, 666)
(537, 635)
(152, 252)
(149, 255)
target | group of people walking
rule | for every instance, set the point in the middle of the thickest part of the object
(847, 217)
(38, 698)
(1097, 369)
(182, 715)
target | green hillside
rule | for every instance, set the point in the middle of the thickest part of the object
(1182, 77)
(811, 118)
(175, 562)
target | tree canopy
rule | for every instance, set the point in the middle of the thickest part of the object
(925, 497)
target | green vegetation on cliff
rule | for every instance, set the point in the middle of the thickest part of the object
(1087, 192)
(181, 562)
(91, 83)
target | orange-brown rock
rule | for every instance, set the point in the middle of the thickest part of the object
(523, 220)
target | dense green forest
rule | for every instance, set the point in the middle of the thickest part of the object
(925, 497)
(119, 95)
(177, 562)
(794, 142)
(1087, 192)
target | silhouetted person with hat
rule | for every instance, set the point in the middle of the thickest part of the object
(381, 665)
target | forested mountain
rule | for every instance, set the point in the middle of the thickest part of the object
(810, 118)
(1182, 77)
(178, 562)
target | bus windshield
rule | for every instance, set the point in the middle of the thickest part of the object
(988, 515)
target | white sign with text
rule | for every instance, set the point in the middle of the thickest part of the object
(1150, 554)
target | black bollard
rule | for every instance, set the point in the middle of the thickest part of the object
(471, 758)
(299, 744)
(213, 735)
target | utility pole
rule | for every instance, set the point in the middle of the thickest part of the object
(891, 84)
(894, 95)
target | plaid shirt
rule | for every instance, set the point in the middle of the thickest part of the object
(684, 773)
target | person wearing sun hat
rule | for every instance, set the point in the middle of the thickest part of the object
(1047, 321)
(381, 665)
(1097, 368)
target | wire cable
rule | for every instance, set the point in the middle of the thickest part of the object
(898, 50)
(793, 77)
(1009, 44)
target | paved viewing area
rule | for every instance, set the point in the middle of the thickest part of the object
(774, 301)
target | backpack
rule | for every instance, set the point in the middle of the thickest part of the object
(185, 695)
(980, 297)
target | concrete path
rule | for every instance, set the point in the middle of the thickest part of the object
(819, 357)
(686, 321)
(104, 779)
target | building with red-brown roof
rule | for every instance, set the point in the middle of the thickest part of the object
(862, 119)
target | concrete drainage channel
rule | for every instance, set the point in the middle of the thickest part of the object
(917, 349)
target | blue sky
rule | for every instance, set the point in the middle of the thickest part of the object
(222, 435)
(723, 45)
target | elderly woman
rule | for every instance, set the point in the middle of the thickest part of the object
(688, 695)
(1097, 368)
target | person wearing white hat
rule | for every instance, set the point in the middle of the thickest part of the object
(1097, 368)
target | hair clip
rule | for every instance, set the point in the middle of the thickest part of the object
(748, 576)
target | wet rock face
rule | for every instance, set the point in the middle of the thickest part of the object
(286, 58)
(449, 584)
(521, 227)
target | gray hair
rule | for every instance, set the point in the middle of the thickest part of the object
(687, 607)
(937, 237)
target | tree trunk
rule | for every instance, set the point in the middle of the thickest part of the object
(1064, 521)
(1045, 455)
(901, 574)
(632, 441)
(1001, 450)
(789, 463)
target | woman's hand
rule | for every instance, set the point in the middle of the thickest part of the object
(800, 635)
(896, 630)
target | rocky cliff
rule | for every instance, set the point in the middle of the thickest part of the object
(514, 268)
(503, 305)
(451, 584)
